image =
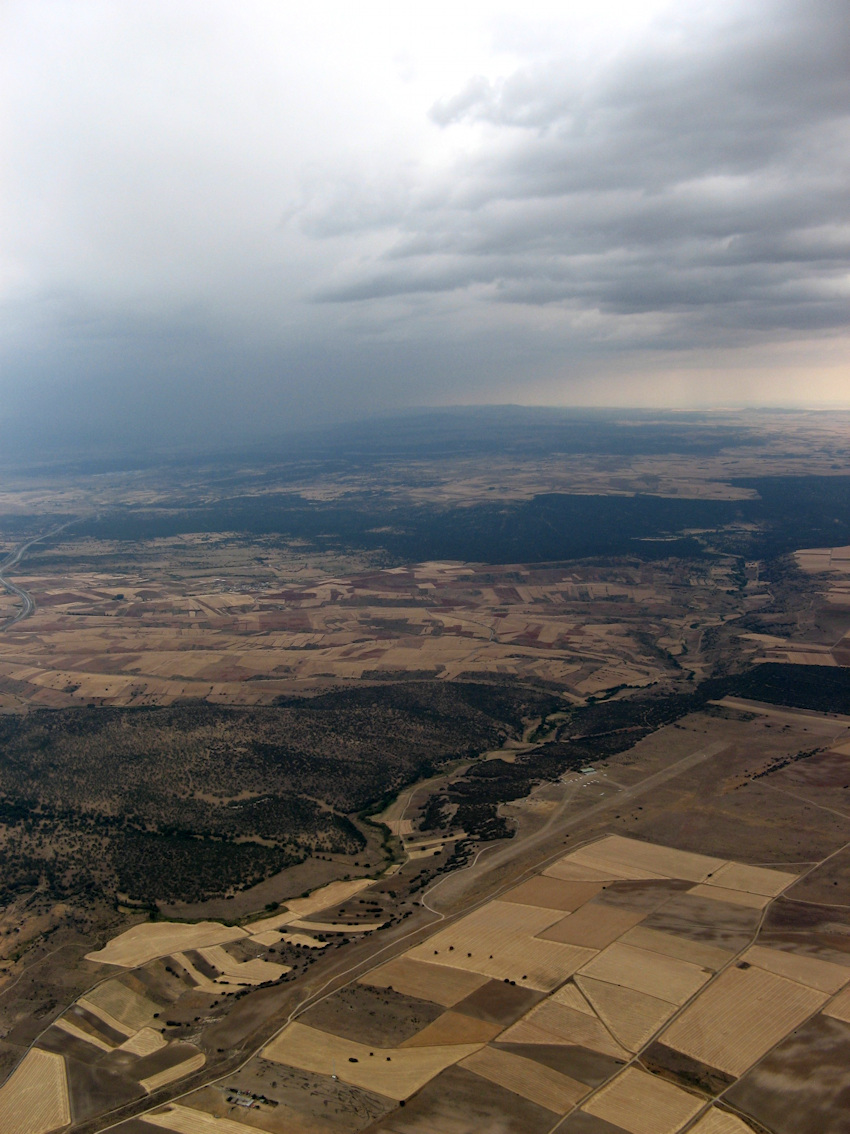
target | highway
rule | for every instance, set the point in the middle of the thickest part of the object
(11, 561)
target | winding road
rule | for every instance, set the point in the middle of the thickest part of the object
(12, 560)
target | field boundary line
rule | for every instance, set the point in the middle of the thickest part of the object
(636, 1058)
(811, 802)
(324, 991)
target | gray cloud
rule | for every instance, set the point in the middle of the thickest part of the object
(234, 218)
(701, 175)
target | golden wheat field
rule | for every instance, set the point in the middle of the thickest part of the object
(631, 1017)
(152, 939)
(839, 1008)
(145, 1042)
(72, 1029)
(326, 897)
(699, 953)
(644, 971)
(551, 1022)
(437, 983)
(720, 1122)
(740, 1017)
(814, 973)
(188, 1120)
(643, 1104)
(396, 1072)
(620, 857)
(527, 1078)
(499, 940)
(755, 879)
(454, 1027)
(243, 972)
(122, 1004)
(176, 1071)
(732, 897)
(34, 1099)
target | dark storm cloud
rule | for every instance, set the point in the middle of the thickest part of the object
(701, 176)
(234, 218)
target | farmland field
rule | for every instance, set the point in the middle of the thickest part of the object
(412, 1067)
(185, 1120)
(508, 784)
(741, 1017)
(641, 1104)
(441, 984)
(176, 1071)
(525, 1077)
(35, 1097)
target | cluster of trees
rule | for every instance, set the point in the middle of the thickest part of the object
(195, 801)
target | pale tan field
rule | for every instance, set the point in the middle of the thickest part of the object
(601, 866)
(816, 559)
(820, 975)
(680, 948)
(571, 996)
(144, 942)
(526, 1078)
(552, 893)
(740, 1017)
(425, 851)
(187, 1120)
(631, 858)
(662, 977)
(628, 981)
(568, 870)
(302, 939)
(631, 1017)
(754, 879)
(437, 983)
(551, 1023)
(720, 1122)
(394, 1072)
(825, 726)
(122, 1004)
(454, 1027)
(733, 897)
(592, 926)
(34, 1099)
(399, 826)
(171, 1074)
(326, 897)
(145, 1042)
(200, 980)
(242, 972)
(336, 926)
(643, 1104)
(106, 1017)
(839, 1008)
(79, 1033)
(499, 941)
(271, 937)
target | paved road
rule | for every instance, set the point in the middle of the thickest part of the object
(27, 601)
(537, 842)
(454, 885)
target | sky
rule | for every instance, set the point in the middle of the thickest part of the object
(234, 218)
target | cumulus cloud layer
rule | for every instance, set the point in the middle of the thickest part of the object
(699, 178)
(241, 217)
